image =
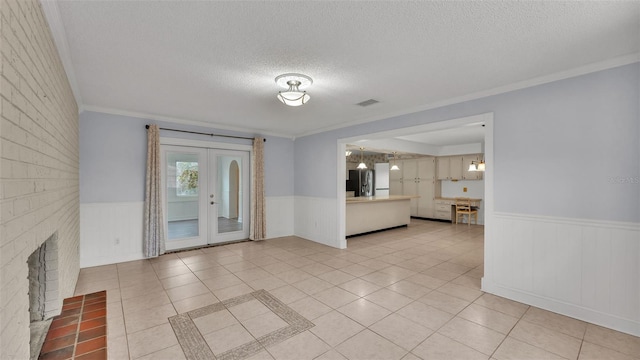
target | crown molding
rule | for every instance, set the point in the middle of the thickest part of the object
(582, 70)
(174, 120)
(54, 18)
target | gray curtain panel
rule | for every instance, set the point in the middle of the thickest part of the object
(258, 228)
(153, 226)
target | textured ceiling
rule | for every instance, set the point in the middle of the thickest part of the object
(215, 62)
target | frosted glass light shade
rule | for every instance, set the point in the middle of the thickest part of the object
(394, 167)
(472, 167)
(362, 166)
(481, 166)
(293, 98)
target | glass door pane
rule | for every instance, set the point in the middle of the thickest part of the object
(231, 189)
(185, 180)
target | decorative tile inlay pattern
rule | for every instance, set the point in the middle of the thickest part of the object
(195, 346)
(80, 331)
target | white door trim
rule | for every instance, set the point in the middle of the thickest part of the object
(210, 145)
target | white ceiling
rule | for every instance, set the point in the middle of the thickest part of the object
(215, 62)
(455, 136)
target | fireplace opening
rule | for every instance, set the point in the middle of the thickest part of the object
(44, 302)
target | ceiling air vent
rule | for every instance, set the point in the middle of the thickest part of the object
(368, 102)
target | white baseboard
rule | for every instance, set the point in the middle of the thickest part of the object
(587, 269)
(572, 310)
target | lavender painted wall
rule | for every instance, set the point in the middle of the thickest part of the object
(113, 157)
(567, 148)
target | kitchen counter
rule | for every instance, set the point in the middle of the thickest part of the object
(454, 199)
(363, 199)
(374, 213)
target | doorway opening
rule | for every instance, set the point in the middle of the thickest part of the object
(389, 140)
(230, 206)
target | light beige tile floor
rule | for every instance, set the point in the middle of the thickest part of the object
(411, 293)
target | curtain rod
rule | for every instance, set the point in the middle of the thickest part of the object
(201, 133)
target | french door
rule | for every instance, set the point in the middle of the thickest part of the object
(206, 195)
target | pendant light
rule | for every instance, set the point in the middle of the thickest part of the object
(394, 167)
(472, 166)
(362, 165)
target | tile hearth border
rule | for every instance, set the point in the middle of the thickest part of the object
(195, 347)
(80, 331)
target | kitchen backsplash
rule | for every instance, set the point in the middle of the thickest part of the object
(370, 160)
(354, 159)
(475, 189)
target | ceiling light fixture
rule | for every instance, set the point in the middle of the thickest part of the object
(348, 152)
(362, 165)
(394, 167)
(293, 96)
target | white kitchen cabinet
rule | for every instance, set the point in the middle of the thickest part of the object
(418, 179)
(443, 209)
(456, 167)
(450, 167)
(443, 167)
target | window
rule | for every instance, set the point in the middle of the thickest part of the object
(187, 178)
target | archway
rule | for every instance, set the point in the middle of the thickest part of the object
(234, 189)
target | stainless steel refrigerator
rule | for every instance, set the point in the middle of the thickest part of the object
(361, 182)
(367, 183)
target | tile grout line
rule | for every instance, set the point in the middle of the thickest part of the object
(373, 243)
(124, 318)
(511, 330)
(75, 342)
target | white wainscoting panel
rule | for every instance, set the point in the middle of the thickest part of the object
(279, 216)
(110, 233)
(316, 219)
(586, 269)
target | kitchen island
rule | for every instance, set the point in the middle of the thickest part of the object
(373, 213)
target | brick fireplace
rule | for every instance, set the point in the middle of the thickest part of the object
(44, 295)
(44, 299)
(39, 166)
